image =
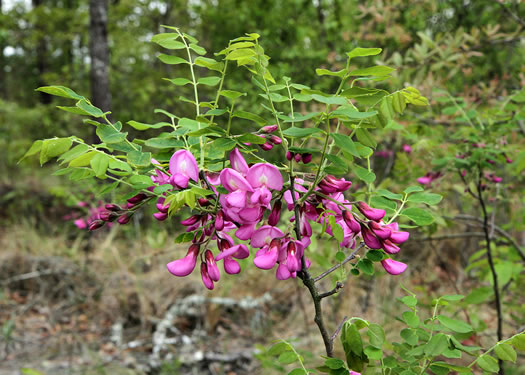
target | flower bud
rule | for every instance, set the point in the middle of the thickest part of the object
(211, 266)
(113, 207)
(124, 219)
(275, 215)
(160, 216)
(191, 220)
(269, 129)
(307, 158)
(206, 279)
(219, 221)
(204, 202)
(297, 157)
(137, 198)
(289, 155)
(266, 146)
(96, 224)
(375, 214)
(275, 140)
(108, 215)
(351, 222)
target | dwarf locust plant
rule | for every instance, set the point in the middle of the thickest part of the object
(237, 184)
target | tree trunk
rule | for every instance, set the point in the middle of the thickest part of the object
(3, 86)
(41, 52)
(99, 54)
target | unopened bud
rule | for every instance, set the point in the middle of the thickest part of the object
(266, 146)
(124, 219)
(96, 224)
(289, 155)
(269, 129)
(298, 157)
(275, 140)
(307, 158)
(113, 207)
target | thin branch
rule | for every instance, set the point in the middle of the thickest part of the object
(500, 231)
(339, 327)
(512, 15)
(338, 286)
(486, 229)
(305, 276)
(332, 269)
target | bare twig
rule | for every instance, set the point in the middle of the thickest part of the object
(500, 231)
(338, 286)
(333, 268)
(305, 276)
(486, 229)
(333, 337)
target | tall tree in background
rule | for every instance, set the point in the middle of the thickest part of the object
(99, 53)
(41, 48)
(3, 86)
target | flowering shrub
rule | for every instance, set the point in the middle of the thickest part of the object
(234, 183)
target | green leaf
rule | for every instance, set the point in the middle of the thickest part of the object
(352, 114)
(454, 325)
(336, 229)
(230, 94)
(437, 345)
(488, 363)
(296, 132)
(326, 72)
(459, 369)
(452, 297)
(140, 181)
(89, 108)
(171, 60)
(340, 256)
(73, 153)
(345, 143)
(224, 144)
(197, 49)
(505, 352)
(142, 126)
(162, 143)
(170, 44)
(365, 137)
(376, 335)
(209, 81)
(53, 147)
(519, 342)
(188, 123)
(34, 149)
(100, 163)
(279, 348)
(411, 319)
(379, 70)
(389, 194)
(119, 164)
(250, 116)
(75, 110)
(209, 63)
(241, 53)
(163, 36)
(479, 295)
(109, 135)
(139, 158)
(178, 82)
(418, 215)
(83, 160)
(366, 266)
(375, 255)
(334, 363)
(30, 371)
(298, 371)
(360, 52)
(412, 189)
(410, 301)
(338, 100)
(373, 353)
(428, 198)
(62, 91)
(364, 174)
(410, 336)
(250, 138)
(287, 358)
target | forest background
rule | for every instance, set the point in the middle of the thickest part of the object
(73, 301)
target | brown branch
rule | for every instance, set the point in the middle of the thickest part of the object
(333, 337)
(500, 231)
(305, 276)
(486, 229)
(333, 268)
(338, 285)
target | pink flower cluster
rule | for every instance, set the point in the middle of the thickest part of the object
(243, 195)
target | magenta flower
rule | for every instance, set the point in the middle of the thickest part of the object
(393, 267)
(237, 162)
(186, 265)
(183, 163)
(265, 175)
(374, 214)
(206, 279)
(330, 184)
(407, 148)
